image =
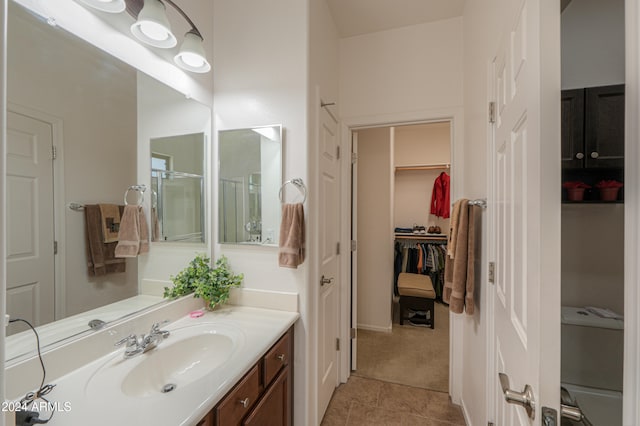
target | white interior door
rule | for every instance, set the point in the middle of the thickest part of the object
(522, 230)
(354, 253)
(30, 220)
(328, 281)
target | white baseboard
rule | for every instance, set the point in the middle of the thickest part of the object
(465, 414)
(278, 300)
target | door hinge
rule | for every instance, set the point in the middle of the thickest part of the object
(354, 333)
(337, 344)
(492, 112)
(492, 272)
(354, 157)
(354, 245)
(338, 248)
(338, 152)
(54, 152)
(55, 247)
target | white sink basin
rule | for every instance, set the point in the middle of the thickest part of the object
(189, 354)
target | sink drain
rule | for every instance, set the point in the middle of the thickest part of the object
(168, 388)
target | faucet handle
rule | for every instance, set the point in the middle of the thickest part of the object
(130, 340)
(155, 328)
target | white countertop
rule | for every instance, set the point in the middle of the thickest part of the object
(187, 405)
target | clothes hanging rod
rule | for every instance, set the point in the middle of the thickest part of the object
(423, 167)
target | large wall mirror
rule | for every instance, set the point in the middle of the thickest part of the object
(78, 121)
(250, 176)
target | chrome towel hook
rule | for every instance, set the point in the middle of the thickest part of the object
(140, 196)
(298, 183)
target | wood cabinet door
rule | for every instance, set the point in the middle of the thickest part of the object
(604, 126)
(572, 113)
(273, 409)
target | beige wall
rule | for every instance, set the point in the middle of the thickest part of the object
(415, 145)
(593, 255)
(375, 238)
(413, 68)
(95, 97)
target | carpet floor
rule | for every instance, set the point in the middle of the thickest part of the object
(409, 355)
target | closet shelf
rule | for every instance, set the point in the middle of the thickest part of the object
(438, 237)
(423, 167)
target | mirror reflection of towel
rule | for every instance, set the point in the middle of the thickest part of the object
(110, 220)
(133, 238)
(100, 255)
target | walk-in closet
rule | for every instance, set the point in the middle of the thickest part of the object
(401, 209)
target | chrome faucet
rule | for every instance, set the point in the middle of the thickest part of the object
(139, 345)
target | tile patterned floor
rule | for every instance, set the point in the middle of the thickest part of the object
(371, 402)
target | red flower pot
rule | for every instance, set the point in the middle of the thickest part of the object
(575, 194)
(609, 194)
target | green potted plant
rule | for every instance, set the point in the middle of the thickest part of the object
(204, 281)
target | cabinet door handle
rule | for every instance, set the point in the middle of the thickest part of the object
(594, 154)
(280, 357)
(244, 402)
(579, 156)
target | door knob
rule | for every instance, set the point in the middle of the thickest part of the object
(579, 156)
(324, 280)
(524, 398)
(594, 154)
(569, 408)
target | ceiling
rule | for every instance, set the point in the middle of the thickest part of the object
(355, 17)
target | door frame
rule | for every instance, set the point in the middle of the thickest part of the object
(631, 384)
(59, 259)
(455, 115)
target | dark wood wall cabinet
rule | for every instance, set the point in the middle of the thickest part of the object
(593, 136)
(264, 395)
(593, 127)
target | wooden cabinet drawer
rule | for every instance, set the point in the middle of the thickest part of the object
(277, 357)
(240, 400)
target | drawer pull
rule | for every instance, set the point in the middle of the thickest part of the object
(280, 357)
(244, 402)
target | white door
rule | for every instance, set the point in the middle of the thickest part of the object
(354, 254)
(525, 234)
(328, 309)
(30, 219)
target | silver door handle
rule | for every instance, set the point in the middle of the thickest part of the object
(569, 408)
(324, 280)
(579, 156)
(594, 154)
(525, 398)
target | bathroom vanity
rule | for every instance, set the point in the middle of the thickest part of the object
(263, 395)
(231, 366)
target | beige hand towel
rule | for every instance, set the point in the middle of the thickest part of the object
(292, 236)
(455, 270)
(453, 227)
(133, 238)
(110, 222)
(459, 271)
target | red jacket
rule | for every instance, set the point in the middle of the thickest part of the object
(440, 200)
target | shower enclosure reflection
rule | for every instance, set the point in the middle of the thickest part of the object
(250, 178)
(177, 183)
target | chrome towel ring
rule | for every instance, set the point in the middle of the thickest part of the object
(140, 196)
(298, 183)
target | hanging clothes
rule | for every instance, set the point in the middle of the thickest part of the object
(427, 258)
(440, 199)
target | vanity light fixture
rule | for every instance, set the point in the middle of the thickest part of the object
(152, 27)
